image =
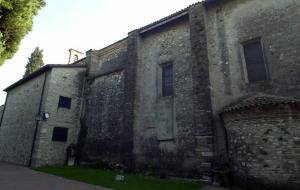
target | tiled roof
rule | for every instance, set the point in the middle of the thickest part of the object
(166, 19)
(211, 2)
(163, 20)
(260, 100)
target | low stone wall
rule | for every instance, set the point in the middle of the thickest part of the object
(264, 145)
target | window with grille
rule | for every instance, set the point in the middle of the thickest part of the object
(167, 80)
(64, 102)
(255, 64)
(60, 134)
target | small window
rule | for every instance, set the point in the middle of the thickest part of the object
(255, 63)
(60, 134)
(64, 102)
(167, 80)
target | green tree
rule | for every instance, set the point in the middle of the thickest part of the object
(16, 19)
(35, 61)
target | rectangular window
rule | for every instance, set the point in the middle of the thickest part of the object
(60, 134)
(255, 63)
(167, 80)
(64, 102)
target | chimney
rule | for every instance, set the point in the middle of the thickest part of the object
(74, 55)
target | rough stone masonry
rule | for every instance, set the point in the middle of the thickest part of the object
(155, 100)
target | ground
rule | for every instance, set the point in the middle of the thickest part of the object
(19, 178)
(14, 177)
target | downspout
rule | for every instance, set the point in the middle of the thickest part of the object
(37, 121)
(1, 119)
(82, 128)
(225, 133)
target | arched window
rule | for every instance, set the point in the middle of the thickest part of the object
(75, 58)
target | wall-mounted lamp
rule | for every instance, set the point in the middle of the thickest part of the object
(45, 116)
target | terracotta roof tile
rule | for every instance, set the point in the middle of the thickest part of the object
(174, 15)
(259, 100)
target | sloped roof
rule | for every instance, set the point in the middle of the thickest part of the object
(259, 100)
(163, 21)
(208, 3)
(175, 16)
(179, 14)
(39, 72)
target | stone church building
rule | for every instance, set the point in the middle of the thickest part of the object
(217, 80)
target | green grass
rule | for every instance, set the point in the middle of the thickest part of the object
(131, 182)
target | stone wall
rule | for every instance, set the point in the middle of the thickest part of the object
(103, 132)
(264, 145)
(128, 121)
(170, 131)
(155, 123)
(202, 109)
(228, 25)
(19, 121)
(67, 82)
(1, 112)
(104, 119)
(125, 119)
(106, 60)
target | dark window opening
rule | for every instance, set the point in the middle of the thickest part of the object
(60, 134)
(255, 63)
(64, 102)
(167, 80)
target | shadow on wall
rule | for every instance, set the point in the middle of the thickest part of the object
(162, 162)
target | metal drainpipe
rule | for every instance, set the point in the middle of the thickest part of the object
(81, 115)
(37, 121)
(225, 134)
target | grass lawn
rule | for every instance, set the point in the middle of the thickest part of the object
(131, 182)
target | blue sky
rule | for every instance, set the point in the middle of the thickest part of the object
(82, 25)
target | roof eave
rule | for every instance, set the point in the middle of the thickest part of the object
(210, 2)
(39, 72)
(164, 21)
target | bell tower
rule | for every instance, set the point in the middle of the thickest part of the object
(74, 55)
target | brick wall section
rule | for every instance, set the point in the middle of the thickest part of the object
(66, 82)
(19, 119)
(264, 144)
